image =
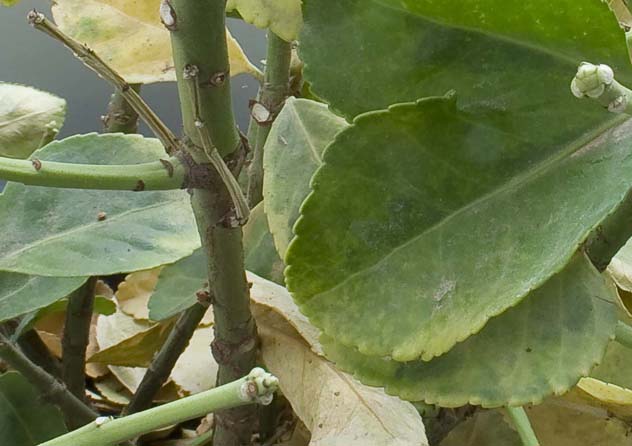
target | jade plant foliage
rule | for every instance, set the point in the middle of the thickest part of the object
(419, 270)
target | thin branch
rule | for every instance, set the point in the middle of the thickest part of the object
(158, 175)
(76, 337)
(35, 349)
(164, 361)
(272, 96)
(121, 116)
(522, 424)
(93, 61)
(77, 413)
(257, 387)
(211, 154)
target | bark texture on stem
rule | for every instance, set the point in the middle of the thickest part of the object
(121, 116)
(76, 337)
(198, 39)
(76, 412)
(164, 361)
(272, 95)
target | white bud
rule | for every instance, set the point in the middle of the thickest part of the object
(605, 74)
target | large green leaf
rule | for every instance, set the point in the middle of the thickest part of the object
(24, 419)
(426, 220)
(21, 294)
(511, 57)
(293, 152)
(59, 232)
(29, 118)
(178, 283)
(541, 347)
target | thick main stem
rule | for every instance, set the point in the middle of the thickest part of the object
(198, 39)
(76, 337)
(273, 92)
(158, 175)
(258, 386)
(121, 116)
(76, 412)
(163, 363)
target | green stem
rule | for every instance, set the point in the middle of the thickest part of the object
(121, 116)
(609, 237)
(35, 349)
(258, 386)
(152, 176)
(75, 410)
(198, 39)
(164, 361)
(76, 337)
(522, 424)
(272, 95)
(623, 334)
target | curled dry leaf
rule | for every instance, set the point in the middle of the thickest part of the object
(335, 407)
(134, 292)
(128, 36)
(132, 342)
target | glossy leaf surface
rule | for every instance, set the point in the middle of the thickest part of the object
(29, 119)
(426, 220)
(58, 232)
(538, 348)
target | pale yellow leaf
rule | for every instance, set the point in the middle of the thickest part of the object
(128, 35)
(611, 397)
(112, 391)
(134, 292)
(135, 351)
(560, 422)
(337, 409)
(196, 370)
(277, 297)
(283, 17)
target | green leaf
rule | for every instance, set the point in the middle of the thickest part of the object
(9, 2)
(615, 366)
(29, 119)
(517, 65)
(261, 257)
(452, 220)
(538, 348)
(24, 419)
(178, 283)
(283, 17)
(293, 152)
(21, 294)
(58, 232)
